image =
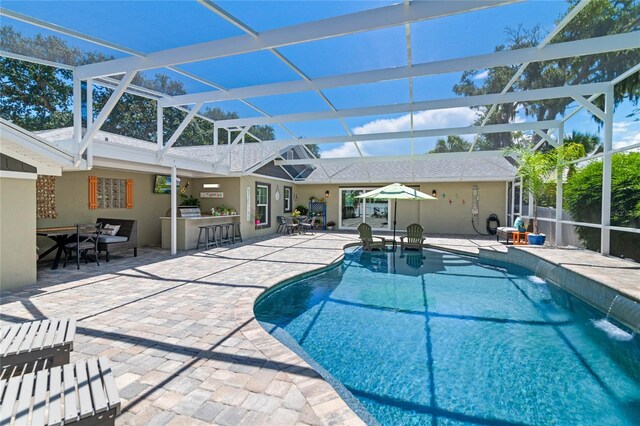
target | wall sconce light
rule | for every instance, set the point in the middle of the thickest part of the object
(434, 193)
(295, 196)
(326, 194)
(211, 185)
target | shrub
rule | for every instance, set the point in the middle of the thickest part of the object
(583, 199)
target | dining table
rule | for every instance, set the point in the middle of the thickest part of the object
(60, 235)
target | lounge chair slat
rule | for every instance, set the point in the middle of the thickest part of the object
(62, 329)
(8, 338)
(4, 330)
(28, 339)
(55, 396)
(71, 332)
(84, 394)
(39, 398)
(9, 401)
(3, 383)
(113, 398)
(70, 400)
(51, 334)
(24, 401)
(39, 339)
(17, 341)
(95, 382)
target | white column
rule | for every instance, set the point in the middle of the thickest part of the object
(89, 121)
(506, 203)
(77, 117)
(174, 211)
(159, 127)
(605, 236)
(559, 192)
(215, 142)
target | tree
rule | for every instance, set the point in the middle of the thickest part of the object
(537, 168)
(583, 200)
(453, 143)
(599, 18)
(591, 142)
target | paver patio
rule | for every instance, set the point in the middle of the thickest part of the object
(181, 336)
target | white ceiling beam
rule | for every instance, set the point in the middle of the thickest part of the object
(33, 60)
(626, 74)
(240, 135)
(546, 137)
(462, 101)
(179, 130)
(368, 20)
(589, 106)
(105, 111)
(577, 48)
(469, 130)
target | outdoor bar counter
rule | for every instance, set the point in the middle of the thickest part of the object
(188, 229)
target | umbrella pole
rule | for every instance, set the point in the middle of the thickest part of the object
(395, 209)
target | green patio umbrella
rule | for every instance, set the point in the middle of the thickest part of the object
(396, 191)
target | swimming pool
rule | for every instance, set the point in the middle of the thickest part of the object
(445, 340)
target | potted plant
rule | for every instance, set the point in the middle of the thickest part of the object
(189, 200)
(258, 218)
(536, 170)
(330, 225)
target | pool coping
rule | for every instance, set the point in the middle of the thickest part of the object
(607, 298)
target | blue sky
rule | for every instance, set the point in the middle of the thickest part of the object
(150, 26)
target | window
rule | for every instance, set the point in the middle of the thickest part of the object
(288, 194)
(263, 201)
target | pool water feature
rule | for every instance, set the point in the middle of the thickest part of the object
(437, 338)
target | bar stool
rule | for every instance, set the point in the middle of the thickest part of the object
(206, 241)
(223, 231)
(235, 231)
(214, 241)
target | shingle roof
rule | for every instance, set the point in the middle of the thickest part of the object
(437, 167)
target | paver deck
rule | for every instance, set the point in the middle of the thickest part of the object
(181, 336)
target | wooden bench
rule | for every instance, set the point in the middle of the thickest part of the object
(127, 236)
(83, 393)
(30, 342)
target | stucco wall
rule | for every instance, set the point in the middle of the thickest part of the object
(277, 207)
(436, 216)
(18, 230)
(72, 204)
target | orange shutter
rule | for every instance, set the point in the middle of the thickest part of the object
(129, 193)
(93, 192)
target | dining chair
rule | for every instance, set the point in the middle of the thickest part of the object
(86, 241)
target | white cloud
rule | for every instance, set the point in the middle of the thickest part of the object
(626, 133)
(482, 75)
(435, 119)
(344, 150)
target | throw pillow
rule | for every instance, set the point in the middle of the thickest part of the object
(110, 229)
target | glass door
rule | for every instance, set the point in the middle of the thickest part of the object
(351, 208)
(354, 211)
(376, 213)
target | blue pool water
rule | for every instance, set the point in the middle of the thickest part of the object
(444, 340)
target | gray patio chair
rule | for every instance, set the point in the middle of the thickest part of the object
(290, 226)
(307, 225)
(86, 241)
